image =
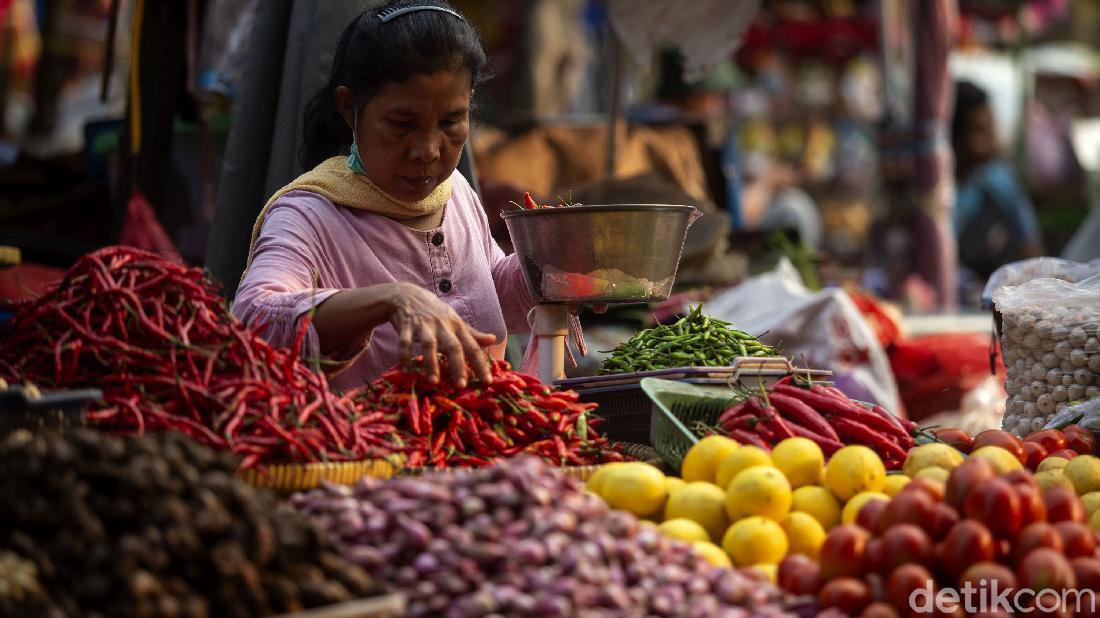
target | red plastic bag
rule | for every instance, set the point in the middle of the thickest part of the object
(143, 230)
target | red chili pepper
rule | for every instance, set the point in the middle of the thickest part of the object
(529, 202)
(797, 411)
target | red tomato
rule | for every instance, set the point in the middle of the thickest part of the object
(843, 553)
(996, 504)
(870, 515)
(1050, 439)
(1077, 538)
(971, 474)
(1066, 453)
(1087, 571)
(904, 544)
(1034, 536)
(1080, 439)
(968, 542)
(961, 440)
(1032, 506)
(903, 582)
(799, 575)
(1045, 568)
(934, 489)
(1063, 505)
(847, 594)
(1021, 477)
(944, 518)
(1003, 439)
(908, 507)
(1035, 454)
(981, 576)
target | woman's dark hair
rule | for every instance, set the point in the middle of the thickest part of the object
(372, 53)
(968, 97)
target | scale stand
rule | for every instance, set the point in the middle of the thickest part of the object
(552, 328)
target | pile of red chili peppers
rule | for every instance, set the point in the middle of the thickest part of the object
(476, 426)
(160, 343)
(820, 413)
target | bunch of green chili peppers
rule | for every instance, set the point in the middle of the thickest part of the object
(696, 340)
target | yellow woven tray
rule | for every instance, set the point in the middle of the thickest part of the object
(288, 478)
(637, 452)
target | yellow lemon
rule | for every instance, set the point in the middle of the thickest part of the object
(701, 461)
(1094, 521)
(759, 491)
(755, 540)
(1084, 472)
(852, 508)
(928, 455)
(1091, 501)
(672, 483)
(819, 503)
(800, 460)
(1003, 461)
(740, 459)
(712, 553)
(683, 530)
(804, 534)
(635, 487)
(703, 503)
(895, 483)
(1053, 478)
(595, 482)
(853, 470)
(934, 473)
(1052, 463)
(770, 571)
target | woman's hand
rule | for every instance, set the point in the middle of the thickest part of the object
(419, 316)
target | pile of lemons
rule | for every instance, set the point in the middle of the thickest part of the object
(741, 506)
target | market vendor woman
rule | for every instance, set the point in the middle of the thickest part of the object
(383, 241)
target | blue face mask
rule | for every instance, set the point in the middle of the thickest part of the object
(355, 162)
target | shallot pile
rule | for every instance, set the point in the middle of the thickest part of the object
(520, 539)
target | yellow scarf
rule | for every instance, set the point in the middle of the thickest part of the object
(332, 179)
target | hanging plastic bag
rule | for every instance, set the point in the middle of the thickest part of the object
(825, 328)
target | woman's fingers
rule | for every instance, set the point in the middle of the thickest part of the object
(430, 353)
(476, 355)
(405, 343)
(483, 340)
(456, 359)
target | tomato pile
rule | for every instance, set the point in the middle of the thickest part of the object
(981, 527)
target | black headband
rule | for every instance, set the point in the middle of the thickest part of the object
(390, 14)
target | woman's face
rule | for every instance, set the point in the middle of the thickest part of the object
(410, 135)
(980, 139)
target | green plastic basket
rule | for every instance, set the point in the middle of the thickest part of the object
(677, 406)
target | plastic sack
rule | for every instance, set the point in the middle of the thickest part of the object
(825, 328)
(1021, 272)
(1050, 343)
(1080, 414)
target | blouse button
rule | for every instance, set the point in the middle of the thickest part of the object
(437, 239)
(445, 286)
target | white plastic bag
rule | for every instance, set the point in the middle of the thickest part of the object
(981, 408)
(823, 327)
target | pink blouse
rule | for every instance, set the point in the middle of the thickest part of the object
(310, 248)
